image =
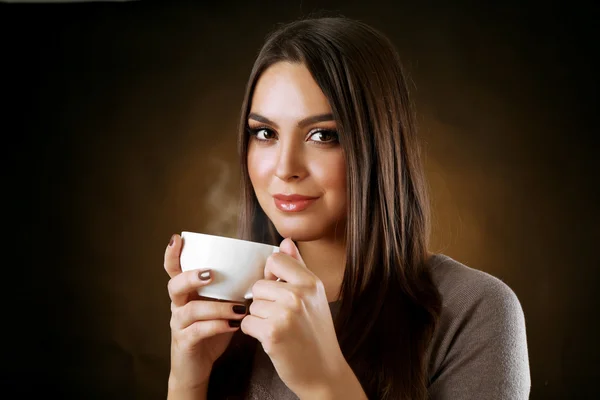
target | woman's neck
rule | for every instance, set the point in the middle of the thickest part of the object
(326, 259)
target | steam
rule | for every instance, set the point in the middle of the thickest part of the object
(222, 206)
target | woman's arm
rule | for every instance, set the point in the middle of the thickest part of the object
(346, 387)
(480, 351)
(175, 393)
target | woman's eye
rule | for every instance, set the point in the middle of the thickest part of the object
(324, 136)
(264, 134)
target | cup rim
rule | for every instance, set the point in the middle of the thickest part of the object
(227, 238)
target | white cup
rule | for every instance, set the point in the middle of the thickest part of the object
(235, 265)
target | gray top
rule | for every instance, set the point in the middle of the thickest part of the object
(479, 350)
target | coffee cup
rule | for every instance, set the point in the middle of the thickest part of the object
(235, 264)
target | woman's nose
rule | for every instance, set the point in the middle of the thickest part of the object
(290, 164)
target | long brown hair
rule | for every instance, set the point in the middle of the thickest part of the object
(389, 304)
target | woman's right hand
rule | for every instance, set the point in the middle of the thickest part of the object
(200, 329)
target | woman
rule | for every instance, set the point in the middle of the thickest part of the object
(332, 173)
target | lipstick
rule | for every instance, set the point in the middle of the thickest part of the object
(293, 202)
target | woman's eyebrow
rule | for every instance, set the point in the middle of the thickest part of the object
(304, 122)
(264, 120)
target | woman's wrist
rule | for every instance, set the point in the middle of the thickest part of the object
(189, 394)
(181, 393)
(344, 386)
(179, 390)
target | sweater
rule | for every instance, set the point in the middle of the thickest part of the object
(478, 350)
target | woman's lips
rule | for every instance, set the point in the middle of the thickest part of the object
(293, 203)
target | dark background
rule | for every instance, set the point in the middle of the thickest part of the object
(119, 128)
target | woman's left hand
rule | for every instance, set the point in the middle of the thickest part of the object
(292, 320)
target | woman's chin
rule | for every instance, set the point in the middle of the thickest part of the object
(307, 231)
(300, 232)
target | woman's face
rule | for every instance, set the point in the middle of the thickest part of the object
(295, 162)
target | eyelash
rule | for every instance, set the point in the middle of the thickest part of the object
(253, 132)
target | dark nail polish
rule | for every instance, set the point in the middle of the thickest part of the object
(204, 275)
(172, 241)
(239, 309)
(234, 323)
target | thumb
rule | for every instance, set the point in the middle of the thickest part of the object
(288, 247)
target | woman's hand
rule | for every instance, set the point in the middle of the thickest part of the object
(293, 322)
(200, 329)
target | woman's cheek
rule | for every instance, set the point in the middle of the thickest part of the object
(329, 170)
(260, 166)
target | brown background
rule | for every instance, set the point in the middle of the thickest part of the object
(120, 130)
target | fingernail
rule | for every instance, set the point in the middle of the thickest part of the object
(172, 241)
(239, 309)
(204, 275)
(234, 323)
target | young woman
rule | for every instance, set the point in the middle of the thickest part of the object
(332, 173)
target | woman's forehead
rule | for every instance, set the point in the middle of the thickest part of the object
(288, 91)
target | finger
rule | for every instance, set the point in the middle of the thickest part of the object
(201, 330)
(264, 309)
(180, 286)
(286, 268)
(254, 326)
(199, 310)
(288, 247)
(172, 256)
(275, 291)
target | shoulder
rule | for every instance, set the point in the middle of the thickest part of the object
(463, 288)
(480, 343)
